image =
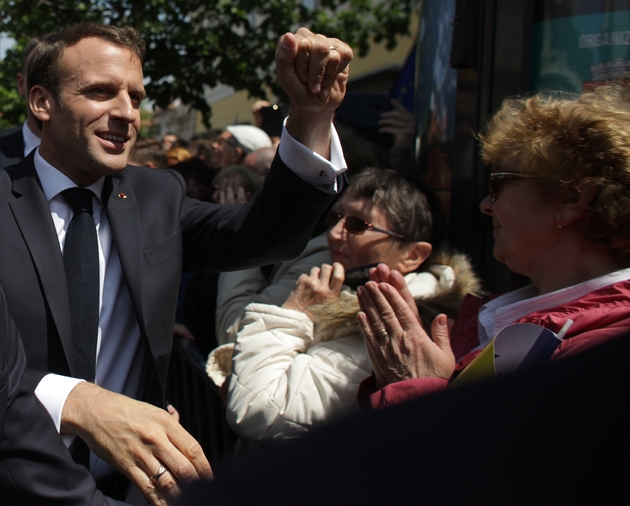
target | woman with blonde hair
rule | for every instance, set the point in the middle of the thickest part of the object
(559, 199)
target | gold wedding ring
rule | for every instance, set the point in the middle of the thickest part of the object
(382, 335)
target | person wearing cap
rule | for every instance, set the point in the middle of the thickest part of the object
(236, 142)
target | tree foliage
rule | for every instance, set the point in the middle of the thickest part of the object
(192, 44)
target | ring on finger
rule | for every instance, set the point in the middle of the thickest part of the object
(332, 48)
(382, 335)
(156, 477)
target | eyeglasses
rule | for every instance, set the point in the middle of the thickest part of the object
(496, 177)
(356, 225)
(226, 142)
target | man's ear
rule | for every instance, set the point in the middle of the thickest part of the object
(575, 207)
(414, 256)
(41, 102)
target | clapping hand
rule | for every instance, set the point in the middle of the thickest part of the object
(398, 346)
(383, 274)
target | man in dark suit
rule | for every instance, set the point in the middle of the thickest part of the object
(11, 147)
(35, 466)
(86, 85)
(16, 143)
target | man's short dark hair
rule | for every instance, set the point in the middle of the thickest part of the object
(43, 62)
(28, 49)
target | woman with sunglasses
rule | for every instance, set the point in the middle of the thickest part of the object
(297, 365)
(560, 205)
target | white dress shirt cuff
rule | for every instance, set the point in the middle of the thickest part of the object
(313, 168)
(52, 391)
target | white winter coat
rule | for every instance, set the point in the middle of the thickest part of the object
(288, 376)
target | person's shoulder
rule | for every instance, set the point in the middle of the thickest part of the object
(11, 144)
(11, 141)
(19, 170)
(144, 177)
(8, 131)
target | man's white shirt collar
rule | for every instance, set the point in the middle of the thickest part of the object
(31, 141)
(54, 181)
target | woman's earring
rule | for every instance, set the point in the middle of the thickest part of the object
(559, 221)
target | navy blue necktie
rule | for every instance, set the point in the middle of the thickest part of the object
(80, 258)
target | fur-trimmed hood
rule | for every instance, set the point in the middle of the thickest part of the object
(439, 287)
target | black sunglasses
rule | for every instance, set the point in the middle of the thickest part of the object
(356, 225)
(497, 177)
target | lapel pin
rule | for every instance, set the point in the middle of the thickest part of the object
(122, 196)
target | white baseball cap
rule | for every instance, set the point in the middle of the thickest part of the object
(250, 137)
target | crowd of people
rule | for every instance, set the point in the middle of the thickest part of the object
(215, 164)
(318, 285)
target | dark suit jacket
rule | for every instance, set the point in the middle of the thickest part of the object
(11, 147)
(35, 466)
(157, 231)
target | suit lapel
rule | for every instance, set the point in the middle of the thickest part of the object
(32, 216)
(124, 218)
